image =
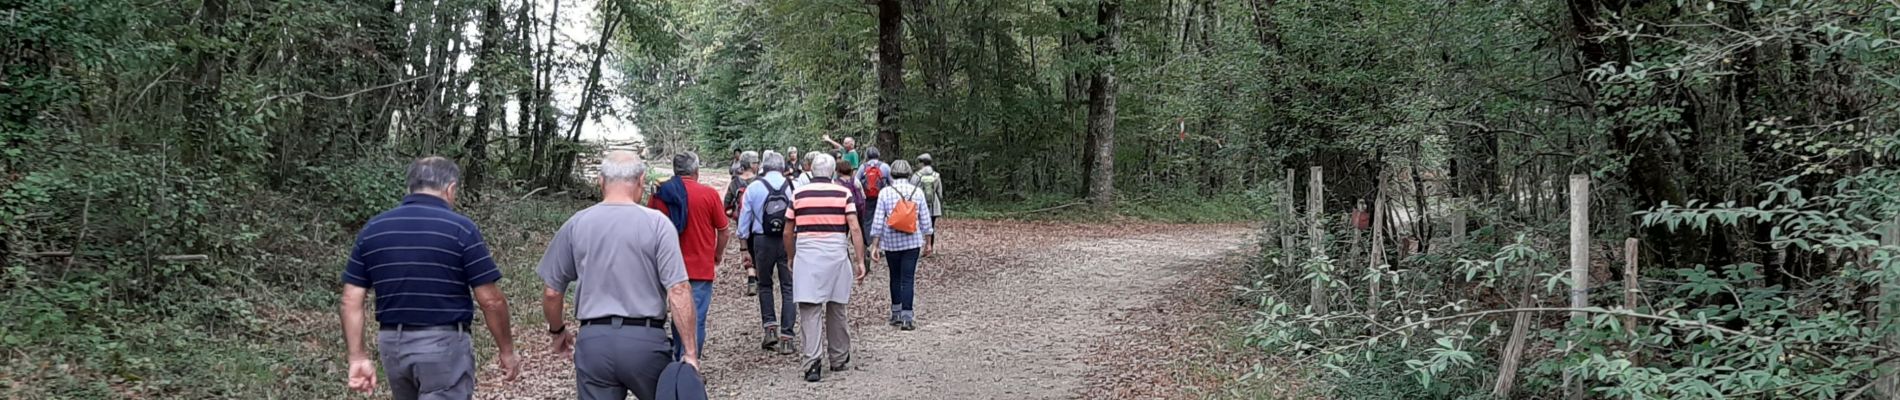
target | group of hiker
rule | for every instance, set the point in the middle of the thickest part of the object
(645, 265)
(824, 214)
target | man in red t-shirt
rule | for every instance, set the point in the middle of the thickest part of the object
(701, 221)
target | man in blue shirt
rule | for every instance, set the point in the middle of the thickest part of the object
(764, 251)
(423, 260)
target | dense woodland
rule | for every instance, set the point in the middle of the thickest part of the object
(1748, 146)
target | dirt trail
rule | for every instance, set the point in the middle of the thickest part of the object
(1013, 320)
(1005, 310)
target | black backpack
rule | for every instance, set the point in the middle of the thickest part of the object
(776, 203)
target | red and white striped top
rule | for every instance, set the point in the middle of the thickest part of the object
(822, 207)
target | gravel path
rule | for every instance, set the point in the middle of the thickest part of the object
(1020, 326)
(1006, 310)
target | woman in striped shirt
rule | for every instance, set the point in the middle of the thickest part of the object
(824, 266)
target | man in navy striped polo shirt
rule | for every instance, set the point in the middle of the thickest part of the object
(423, 260)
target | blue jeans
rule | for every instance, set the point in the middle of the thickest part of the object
(702, 297)
(903, 265)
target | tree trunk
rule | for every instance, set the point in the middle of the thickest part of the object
(207, 85)
(487, 67)
(373, 112)
(544, 122)
(1265, 30)
(1102, 90)
(890, 75)
(590, 90)
(524, 94)
(563, 161)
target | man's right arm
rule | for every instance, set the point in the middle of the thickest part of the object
(362, 372)
(748, 213)
(557, 270)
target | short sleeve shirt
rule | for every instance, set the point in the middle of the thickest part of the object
(623, 255)
(705, 216)
(822, 208)
(421, 259)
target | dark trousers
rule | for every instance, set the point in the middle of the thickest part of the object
(903, 266)
(768, 256)
(612, 360)
(865, 217)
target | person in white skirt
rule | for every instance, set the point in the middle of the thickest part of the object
(824, 268)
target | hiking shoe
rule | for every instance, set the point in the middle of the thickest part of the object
(785, 346)
(815, 372)
(907, 325)
(771, 339)
(842, 365)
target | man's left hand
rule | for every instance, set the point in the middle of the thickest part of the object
(563, 344)
(692, 360)
(859, 273)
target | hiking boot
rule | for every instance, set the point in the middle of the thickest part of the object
(771, 339)
(785, 346)
(907, 325)
(842, 365)
(751, 286)
(815, 372)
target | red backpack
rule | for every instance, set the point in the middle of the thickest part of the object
(872, 177)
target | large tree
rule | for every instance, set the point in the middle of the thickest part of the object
(890, 75)
(1102, 91)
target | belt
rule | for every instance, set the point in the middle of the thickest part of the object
(646, 322)
(460, 326)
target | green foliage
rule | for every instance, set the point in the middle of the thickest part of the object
(357, 189)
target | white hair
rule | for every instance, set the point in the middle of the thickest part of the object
(623, 166)
(823, 166)
(774, 161)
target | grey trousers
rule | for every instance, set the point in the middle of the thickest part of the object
(432, 365)
(612, 360)
(822, 328)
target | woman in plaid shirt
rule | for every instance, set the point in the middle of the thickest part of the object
(901, 250)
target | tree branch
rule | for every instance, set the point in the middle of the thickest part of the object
(266, 101)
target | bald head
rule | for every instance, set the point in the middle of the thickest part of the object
(850, 144)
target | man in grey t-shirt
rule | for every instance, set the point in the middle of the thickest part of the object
(627, 258)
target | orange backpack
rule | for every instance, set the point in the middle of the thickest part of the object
(903, 216)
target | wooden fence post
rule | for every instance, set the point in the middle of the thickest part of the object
(1888, 386)
(1632, 287)
(1579, 265)
(1514, 348)
(1288, 228)
(1315, 195)
(1457, 224)
(1376, 256)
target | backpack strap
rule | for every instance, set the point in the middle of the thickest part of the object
(776, 190)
